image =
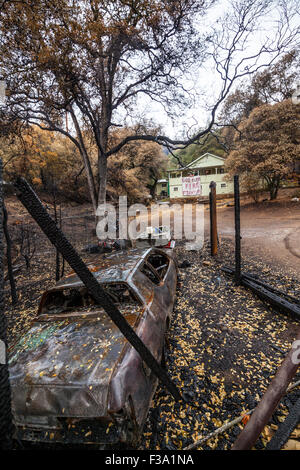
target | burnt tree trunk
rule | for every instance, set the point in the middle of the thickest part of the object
(102, 170)
(57, 257)
(6, 426)
(86, 160)
(13, 290)
(274, 184)
(63, 259)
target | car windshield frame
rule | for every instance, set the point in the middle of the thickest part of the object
(151, 268)
(83, 310)
(157, 253)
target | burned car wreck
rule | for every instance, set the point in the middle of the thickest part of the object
(74, 377)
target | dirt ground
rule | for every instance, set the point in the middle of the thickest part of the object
(271, 229)
(224, 344)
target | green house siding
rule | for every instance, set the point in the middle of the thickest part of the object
(162, 188)
(210, 168)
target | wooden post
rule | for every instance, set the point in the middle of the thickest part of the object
(213, 219)
(237, 212)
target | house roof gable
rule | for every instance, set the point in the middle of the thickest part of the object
(202, 161)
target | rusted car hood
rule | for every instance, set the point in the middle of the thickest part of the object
(64, 367)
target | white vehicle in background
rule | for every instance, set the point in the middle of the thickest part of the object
(155, 236)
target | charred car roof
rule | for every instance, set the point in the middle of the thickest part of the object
(115, 267)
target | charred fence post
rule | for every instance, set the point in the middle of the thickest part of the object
(277, 298)
(36, 209)
(63, 259)
(237, 220)
(269, 402)
(213, 219)
(6, 426)
(286, 428)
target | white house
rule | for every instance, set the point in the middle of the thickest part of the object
(161, 188)
(194, 179)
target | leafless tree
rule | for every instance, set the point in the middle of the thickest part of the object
(26, 241)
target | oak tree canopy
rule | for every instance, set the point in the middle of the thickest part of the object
(268, 145)
(89, 61)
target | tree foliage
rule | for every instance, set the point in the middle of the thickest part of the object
(93, 59)
(50, 162)
(212, 143)
(267, 145)
(47, 160)
(274, 84)
(135, 170)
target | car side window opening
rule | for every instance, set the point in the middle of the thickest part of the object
(151, 274)
(79, 299)
(160, 263)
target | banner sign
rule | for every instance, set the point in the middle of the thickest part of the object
(191, 186)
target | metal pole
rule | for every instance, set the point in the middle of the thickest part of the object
(237, 213)
(6, 426)
(269, 402)
(213, 219)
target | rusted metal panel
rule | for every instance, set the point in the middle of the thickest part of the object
(74, 375)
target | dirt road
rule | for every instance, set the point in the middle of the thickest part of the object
(271, 230)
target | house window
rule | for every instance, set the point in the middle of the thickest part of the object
(221, 171)
(173, 175)
(223, 185)
(175, 189)
(208, 172)
(164, 185)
